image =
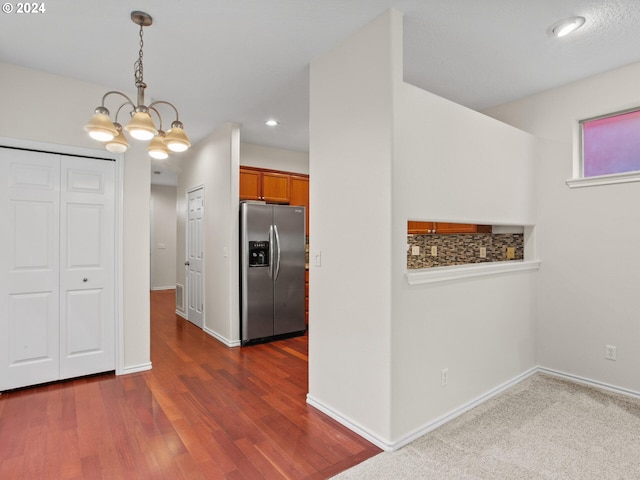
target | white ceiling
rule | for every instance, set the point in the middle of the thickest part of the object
(247, 60)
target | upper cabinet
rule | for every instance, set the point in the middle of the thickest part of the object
(420, 228)
(299, 194)
(256, 184)
(274, 186)
(250, 184)
(442, 228)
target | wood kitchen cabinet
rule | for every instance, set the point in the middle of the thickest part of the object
(250, 184)
(257, 184)
(444, 228)
(274, 186)
(299, 194)
(420, 228)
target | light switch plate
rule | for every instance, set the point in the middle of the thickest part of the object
(415, 250)
(434, 251)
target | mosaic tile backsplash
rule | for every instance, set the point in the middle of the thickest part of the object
(463, 249)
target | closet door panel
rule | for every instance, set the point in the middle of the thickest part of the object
(87, 309)
(29, 268)
(57, 267)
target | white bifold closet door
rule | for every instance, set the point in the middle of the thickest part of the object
(57, 267)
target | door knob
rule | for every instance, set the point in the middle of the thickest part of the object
(187, 263)
(85, 279)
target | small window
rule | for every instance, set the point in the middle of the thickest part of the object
(611, 144)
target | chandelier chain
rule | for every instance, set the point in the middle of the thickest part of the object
(137, 66)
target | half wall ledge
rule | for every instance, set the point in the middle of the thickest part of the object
(457, 272)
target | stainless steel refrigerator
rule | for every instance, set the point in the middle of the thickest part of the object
(272, 265)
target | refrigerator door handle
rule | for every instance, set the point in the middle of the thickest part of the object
(275, 228)
(270, 251)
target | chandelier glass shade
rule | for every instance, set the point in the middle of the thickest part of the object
(157, 148)
(117, 144)
(141, 126)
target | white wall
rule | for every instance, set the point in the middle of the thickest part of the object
(454, 164)
(163, 237)
(587, 237)
(350, 167)
(41, 107)
(273, 158)
(214, 163)
(382, 152)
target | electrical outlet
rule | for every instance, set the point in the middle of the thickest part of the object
(610, 352)
(511, 253)
(483, 252)
(434, 251)
(415, 250)
(444, 377)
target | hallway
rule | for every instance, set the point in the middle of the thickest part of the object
(204, 411)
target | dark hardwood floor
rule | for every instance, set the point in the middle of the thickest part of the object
(204, 411)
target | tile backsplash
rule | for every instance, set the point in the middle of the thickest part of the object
(463, 249)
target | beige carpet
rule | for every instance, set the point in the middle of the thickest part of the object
(542, 428)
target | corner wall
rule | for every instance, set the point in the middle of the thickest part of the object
(350, 167)
(454, 164)
(273, 158)
(383, 152)
(587, 237)
(214, 163)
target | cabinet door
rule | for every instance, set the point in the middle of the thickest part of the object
(250, 184)
(299, 194)
(444, 228)
(420, 228)
(275, 187)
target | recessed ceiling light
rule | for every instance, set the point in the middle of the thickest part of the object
(271, 123)
(566, 26)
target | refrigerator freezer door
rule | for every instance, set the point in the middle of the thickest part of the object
(257, 285)
(289, 294)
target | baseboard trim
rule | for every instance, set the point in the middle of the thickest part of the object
(405, 440)
(171, 287)
(143, 367)
(447, 417)
(589, 382)
(377, 441)
(221, 339)
(217, 336)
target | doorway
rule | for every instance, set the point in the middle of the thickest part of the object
(195, 256)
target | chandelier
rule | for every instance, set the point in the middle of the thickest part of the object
(141, 125)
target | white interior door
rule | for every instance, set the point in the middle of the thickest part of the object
(60, 218)
(87, 219)
(195, 257)
(29, 267)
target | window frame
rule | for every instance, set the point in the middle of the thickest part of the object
(579, 180)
